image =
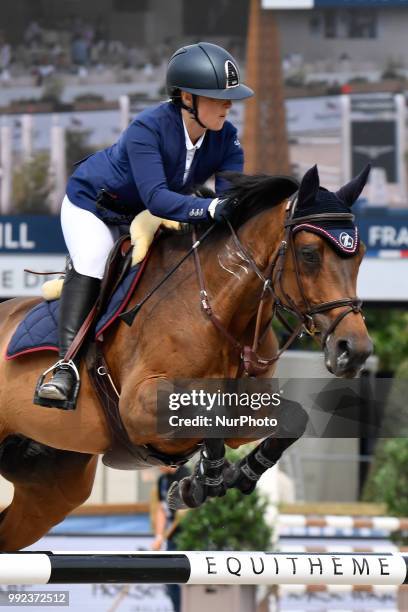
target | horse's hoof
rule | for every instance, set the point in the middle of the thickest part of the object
(187, 493)
(192, 492)
(174, 500)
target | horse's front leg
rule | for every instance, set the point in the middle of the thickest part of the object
(245, 473)
(206, 481)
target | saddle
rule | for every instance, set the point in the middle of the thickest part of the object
(38, 330)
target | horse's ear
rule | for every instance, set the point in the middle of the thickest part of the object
(308, 187)
(350, 192)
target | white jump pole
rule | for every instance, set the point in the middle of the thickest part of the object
(401, 144)
(58, 176)
(211, 567)
(26, 137)
(345, 139)
(124, 109)
(383, 523)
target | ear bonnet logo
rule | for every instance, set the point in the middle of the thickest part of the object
(346, 240)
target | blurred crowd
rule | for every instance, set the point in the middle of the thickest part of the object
(73, 47)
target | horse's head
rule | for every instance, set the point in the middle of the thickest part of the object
(318, 282)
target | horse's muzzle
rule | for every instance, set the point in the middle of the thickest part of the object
(346, 356)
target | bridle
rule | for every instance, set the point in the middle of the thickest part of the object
(251, 364)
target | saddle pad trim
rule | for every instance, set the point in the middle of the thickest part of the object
(35, 349)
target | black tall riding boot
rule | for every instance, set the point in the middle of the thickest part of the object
(79, 294)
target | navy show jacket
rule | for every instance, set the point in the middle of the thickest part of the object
(145, 167)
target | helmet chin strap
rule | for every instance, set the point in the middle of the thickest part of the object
(194, 111)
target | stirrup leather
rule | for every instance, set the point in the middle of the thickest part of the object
(69, 403)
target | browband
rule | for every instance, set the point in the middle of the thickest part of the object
(320, 217)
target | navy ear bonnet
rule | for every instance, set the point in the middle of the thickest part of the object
(342, 234)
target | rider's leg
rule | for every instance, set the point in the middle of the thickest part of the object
(89, 242)
(79, 294)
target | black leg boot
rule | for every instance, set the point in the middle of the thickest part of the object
(79, 294)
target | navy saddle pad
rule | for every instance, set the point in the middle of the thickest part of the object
(38, 331)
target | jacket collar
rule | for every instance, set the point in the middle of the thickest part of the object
(189, 144)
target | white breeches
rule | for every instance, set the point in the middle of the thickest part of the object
(88, 239)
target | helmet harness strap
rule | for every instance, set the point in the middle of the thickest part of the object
(193, 110)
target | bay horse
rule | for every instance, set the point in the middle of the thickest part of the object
(267, 250)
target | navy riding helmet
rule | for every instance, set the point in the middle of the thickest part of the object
(207, 70)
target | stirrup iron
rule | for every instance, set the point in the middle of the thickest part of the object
(69, 403)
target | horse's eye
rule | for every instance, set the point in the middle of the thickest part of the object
(310, 255)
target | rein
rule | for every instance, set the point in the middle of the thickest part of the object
(129, 316)
(251, 364)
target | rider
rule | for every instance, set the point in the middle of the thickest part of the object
(164, 152)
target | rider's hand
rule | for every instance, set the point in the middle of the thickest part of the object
(157, 543)
(223, 209)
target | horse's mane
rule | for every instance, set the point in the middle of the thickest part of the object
(256, 192)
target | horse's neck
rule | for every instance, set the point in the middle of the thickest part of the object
(234, 286)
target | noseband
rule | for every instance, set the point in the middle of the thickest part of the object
(250, 362)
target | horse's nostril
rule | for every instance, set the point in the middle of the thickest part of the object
(351, 353)
(343, 345)
(343, 353)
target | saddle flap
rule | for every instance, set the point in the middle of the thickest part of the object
(116, 269)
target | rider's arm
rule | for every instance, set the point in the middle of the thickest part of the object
(149, 175)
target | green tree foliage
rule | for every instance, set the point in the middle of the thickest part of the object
(388, 478)
(31, 185)
(77, 147)
(388, 329)
(232, 522)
